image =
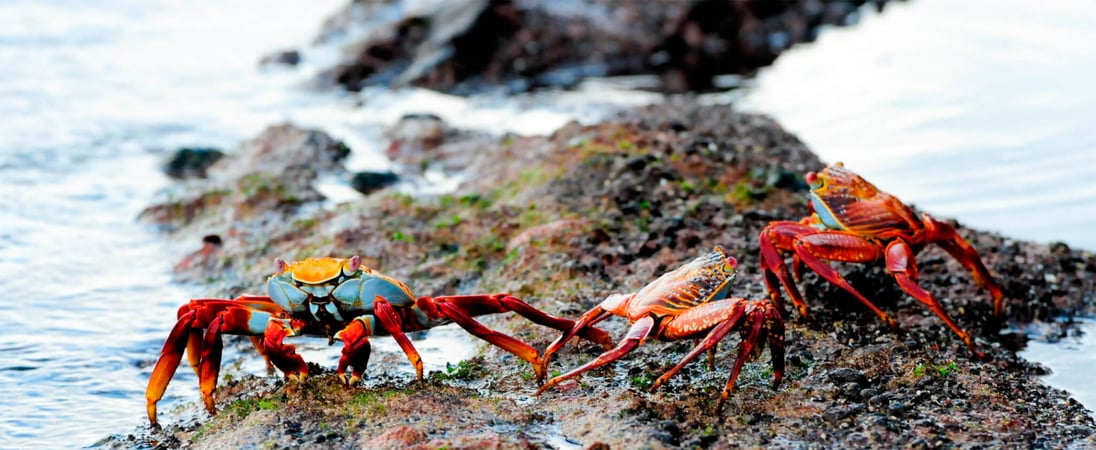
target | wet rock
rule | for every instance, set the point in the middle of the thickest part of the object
(846, 375)
(396, 438)
(191, 162)
(282, 57)
(473, 45)
(267, 180)
(837, 413)
(368, 182)
(428, 130)
(285, 151)
(205, 259)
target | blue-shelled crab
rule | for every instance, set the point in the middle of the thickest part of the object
(342, 300)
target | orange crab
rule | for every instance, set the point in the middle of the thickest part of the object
(853, 221)
(340, 299)
(690, 302)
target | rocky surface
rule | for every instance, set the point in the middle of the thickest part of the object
(464, 46)
(566, 219)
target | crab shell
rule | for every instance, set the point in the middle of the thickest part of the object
(843, 200)
(702, 280)
(334, 290)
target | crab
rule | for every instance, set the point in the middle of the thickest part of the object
(342, 300)
(853, 221)
(690, 302)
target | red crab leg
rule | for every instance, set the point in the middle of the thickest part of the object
(208, 308)
(901, 264)
(640, 331)
(356, 348)
(725, 315)
(944, 235)
(165, 366)
(840, 246)
(589, 319)
(461, 309)
(390, 321)
(728, 315)
(283, 356)
(777, 237)
(233, 316)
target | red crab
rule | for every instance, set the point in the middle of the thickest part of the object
(853, 221)
(690, 302)
(340, 299)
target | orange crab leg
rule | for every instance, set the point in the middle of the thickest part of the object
(390, 321)
(170, 356)
(901, 264)
(726, 316)
(640, 331)
(589, 319)
(356, 348)
(478, 305)
(840, 246)
(944, 235)
(283, 356)
(237, 316)
(774, 238)
(461, 308)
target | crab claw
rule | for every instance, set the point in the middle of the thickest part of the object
(355, 353)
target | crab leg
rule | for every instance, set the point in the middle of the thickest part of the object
(243, 315)
(944, 235)
(461, 309)
(840, 246)
(390, 321)
(356, 348)
(725, 315)
(901, 264)
(640, 331)
(728, 315)
(588, 320)
(775, 237)
(283, 356)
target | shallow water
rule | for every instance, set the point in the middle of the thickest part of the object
(977, 119)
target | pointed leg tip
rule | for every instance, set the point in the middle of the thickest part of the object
(545, 387)
(152, 416)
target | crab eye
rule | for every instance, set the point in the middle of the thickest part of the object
(279, 266)
(352, 264)
(730, 264)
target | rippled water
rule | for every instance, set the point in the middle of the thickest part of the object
(972, 110)
(981, 109)
(93, 93)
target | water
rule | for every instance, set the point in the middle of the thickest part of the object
(1070, 362)
(91, 92)
(970, 110)
(980, 110)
